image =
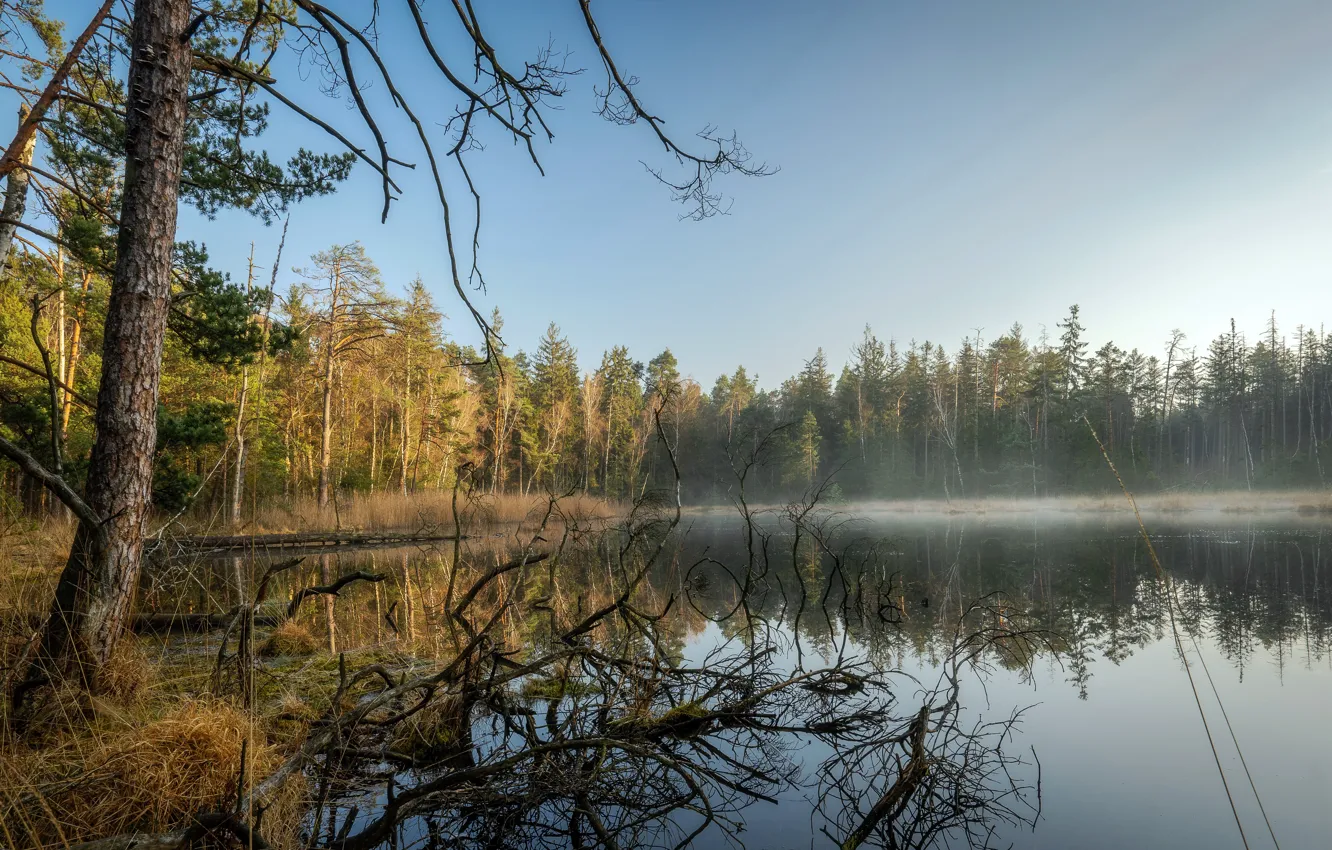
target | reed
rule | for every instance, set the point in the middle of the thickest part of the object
(110, 769)
(425, 512)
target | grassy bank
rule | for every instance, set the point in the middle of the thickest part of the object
(154, 748)
(164, 739)
(429, 511)
(170, 734)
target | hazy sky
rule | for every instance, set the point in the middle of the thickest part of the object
(944, 167)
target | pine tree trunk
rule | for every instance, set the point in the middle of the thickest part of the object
(403, 447)
(75, 341)
(605, 466)
(406, 423)
(97, 587)
(238, 485)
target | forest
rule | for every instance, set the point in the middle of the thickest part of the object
(333, 381)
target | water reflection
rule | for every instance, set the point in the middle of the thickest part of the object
(868, 679)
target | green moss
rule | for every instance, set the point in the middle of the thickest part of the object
(681, 721)
(541, 687)
(685, 711)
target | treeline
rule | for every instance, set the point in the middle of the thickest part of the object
(332, 384)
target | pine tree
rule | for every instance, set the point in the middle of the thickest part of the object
(1072, 352)
(554, 399)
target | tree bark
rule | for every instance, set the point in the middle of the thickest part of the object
(16, 189)
(72, 365)
(92, 604)
(406, 408)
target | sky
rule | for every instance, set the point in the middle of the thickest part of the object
(943, 167)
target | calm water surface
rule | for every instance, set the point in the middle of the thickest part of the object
(1125, 759)
(1110, 716)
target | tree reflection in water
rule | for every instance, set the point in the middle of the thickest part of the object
(567, 715)
(656, 685)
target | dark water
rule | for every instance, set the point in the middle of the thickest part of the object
(1110, 714)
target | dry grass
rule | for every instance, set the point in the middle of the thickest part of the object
(31, 555)
(128, 675)
(432, 733)
(147, 752)
(126, 772)
(426, 511)
(289, 638)
(186, 762)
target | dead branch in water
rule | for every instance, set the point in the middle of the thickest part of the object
(332, 589)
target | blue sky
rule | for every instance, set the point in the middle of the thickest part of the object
(943, 167)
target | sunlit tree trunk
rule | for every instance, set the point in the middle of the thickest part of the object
(97, 587)
(374, 441)
(326, 421)
(330, 621)
(16, 191)
(242, 397)
(72, 360)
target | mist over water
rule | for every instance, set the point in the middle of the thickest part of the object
(1107, 726)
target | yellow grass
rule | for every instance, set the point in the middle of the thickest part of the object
(128, 675)
(31, 556)
(420, 512)
(289, 638)
(129, 771)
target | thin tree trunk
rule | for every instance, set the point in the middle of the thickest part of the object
(330, 620)
(408, 600)
(326, 423)
(16, 190)
(326, 430)
(53, 399)
(610, 427)
(75, 341)
(97, 587)
(374, 441)
(62, 348)
(402, 447)
(238, 488)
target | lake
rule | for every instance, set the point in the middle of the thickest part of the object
(1107, 749)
